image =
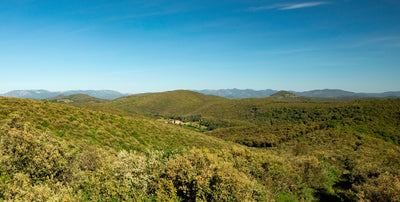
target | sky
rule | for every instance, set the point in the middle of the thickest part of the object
(136, 46)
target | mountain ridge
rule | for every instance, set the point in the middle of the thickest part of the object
(45, 94)
(233, 93)
(319, 93)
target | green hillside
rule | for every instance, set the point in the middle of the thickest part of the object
(256, 150)
(290, 97)
(76, 99)
(379, 118)
(173, 102)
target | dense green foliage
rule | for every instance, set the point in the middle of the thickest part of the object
(75, 99)
(257, 150)
(379, 118)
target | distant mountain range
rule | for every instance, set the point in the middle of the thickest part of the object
(226, 93)
(238, 93)
(325, 93)
(44, 94)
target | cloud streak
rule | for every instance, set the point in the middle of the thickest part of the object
(289, 6)
(303, 5)
(287, 51)
(378, 41)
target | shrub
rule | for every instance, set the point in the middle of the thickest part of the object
(199, 176)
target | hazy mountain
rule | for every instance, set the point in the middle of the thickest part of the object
(102, 94)
(391, 94)
(238, 93)
(324, 93)
(33, 94)
(44, 94)
(226, 93)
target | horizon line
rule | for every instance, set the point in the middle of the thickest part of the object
(130, 93)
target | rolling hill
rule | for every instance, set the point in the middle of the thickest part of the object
(238, 93)
(178, 102)
(218, 112)
(76, 99)
(262, 149)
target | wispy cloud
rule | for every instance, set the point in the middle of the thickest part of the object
(303, 5)
(287, 51)
(289, 6)
(378, 41)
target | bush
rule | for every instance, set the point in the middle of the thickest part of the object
(35, 154)
(199, 176)
(384, 188)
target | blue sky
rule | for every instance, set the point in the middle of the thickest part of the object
(138, 46)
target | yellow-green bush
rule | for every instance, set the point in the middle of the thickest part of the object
(199, 175)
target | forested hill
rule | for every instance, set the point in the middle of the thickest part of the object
(267, 149)
(76, 99)
(216, 112)
(171, 102)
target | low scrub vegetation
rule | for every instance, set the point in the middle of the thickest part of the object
(263, 151)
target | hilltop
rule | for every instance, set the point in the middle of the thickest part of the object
(238, 93)
(76, 99)
(283, 93)
(178, 102)
(290, 97)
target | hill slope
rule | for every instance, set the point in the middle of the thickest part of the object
(173, 102)
(238, 93)
(51, 151)
(76, 99)
(218, 112)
